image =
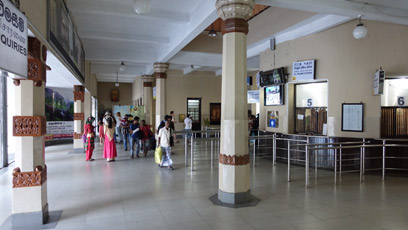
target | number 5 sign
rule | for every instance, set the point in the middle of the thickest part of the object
(401, 100)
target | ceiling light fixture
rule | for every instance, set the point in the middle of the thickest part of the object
(122, 67)
(117, 79)
(212, 32)
(142, 6)
(360, 31)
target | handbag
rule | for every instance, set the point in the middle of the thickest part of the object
(158, 155)
(84, 137)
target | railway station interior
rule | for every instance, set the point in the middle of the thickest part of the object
(298, 109)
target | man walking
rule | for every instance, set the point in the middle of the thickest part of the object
(135, 137)
(188, 125)
(118, 128)
(164, 142)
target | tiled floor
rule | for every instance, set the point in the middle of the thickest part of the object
(136, 194)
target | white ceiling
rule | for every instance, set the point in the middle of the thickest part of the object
(112, 32)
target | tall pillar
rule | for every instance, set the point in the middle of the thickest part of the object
(160, 70)
(3, 121)
(30, 207)
(79, 117)
(234, 171)
(87, 105)
(148, 98)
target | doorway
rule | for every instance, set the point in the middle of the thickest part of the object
(194, 109)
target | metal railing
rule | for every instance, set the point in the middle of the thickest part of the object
(309, 149)
(338, 158)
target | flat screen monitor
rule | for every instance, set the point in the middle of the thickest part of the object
(273, 95)
(271, 77)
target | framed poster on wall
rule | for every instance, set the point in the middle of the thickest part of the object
(352, 117)
(215, 113)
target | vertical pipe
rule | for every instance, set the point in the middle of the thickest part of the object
(288, 160)
(185, 150)
(335, 166)
(212, 152)
(383, 160)
(274, 150)
(3, 121)
(361, 165)
(192, 152)
(315, 160)
(364, 155)
(254, 153)
(307, 167)
(341, 158)
(258, 139)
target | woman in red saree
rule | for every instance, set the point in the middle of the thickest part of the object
(89, 131)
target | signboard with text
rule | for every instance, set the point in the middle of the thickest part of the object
(378, 82)
(13, 39)
(303, 70)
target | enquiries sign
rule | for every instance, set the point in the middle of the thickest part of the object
(13, 37)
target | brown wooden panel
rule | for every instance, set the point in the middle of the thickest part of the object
(300, 123)
(394, 122)
(322, 119)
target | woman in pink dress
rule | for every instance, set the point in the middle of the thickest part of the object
(109, 148)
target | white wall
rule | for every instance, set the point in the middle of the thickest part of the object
(348, 65)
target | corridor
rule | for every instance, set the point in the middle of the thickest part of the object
(136, 194)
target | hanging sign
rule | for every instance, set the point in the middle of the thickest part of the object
(303, 70)
(13, 39)
(378, 82)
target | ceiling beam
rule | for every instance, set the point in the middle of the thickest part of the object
(120, 55)
(97, 35)
(113, 68)
(197, 58)
(154, 16)
(343, 7)
(203, 16)
(191, 68)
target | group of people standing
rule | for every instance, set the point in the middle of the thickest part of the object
(133, 134)
(108, 133)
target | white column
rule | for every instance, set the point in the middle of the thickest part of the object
(79, 116)
(234, 171)
(148, 98)
(160, 70)
(87, 105)
(3, 121)
(30, 207)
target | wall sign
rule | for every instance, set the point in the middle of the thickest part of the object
(401, 101)
(63, 35)
(273, 119)
(13, 37)
(253, 96)
(303, 70)
(352, 117)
